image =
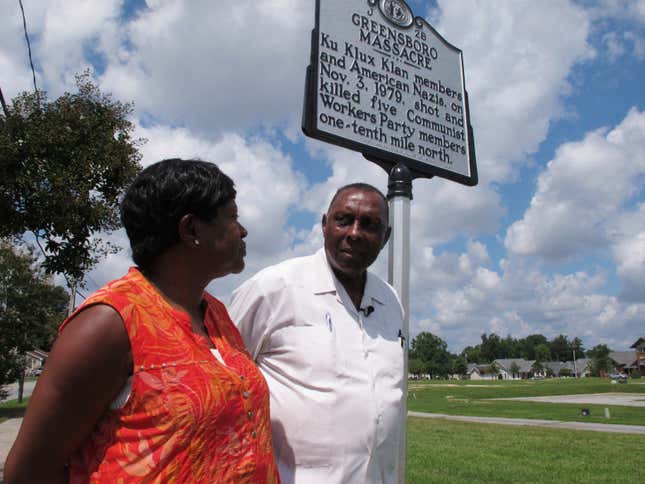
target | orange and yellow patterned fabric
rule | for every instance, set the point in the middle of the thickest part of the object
(189, 418)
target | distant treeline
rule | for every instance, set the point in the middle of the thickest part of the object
(429, 353)
(533, 347)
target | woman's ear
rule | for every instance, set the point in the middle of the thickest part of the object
(187, 230)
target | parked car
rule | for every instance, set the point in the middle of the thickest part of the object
(619, 377)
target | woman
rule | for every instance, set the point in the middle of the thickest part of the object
(149, 379)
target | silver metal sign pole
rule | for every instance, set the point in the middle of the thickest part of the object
(399, 195)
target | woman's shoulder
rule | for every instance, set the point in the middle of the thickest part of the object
(116, 294)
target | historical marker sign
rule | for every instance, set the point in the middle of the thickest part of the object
(386, 84)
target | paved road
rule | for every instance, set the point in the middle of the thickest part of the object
(555, 424)
(622, 399)
(13, 390)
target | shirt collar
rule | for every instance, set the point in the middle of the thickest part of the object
(325, 282)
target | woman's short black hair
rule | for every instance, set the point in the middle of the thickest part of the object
(162, 194)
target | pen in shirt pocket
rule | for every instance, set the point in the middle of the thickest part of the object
(329, 323)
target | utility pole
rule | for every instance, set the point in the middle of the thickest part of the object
(575, 370)
(399, 195)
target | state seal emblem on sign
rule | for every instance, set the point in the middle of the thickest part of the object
(397, 12)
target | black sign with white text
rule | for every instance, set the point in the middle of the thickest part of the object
(386, 84)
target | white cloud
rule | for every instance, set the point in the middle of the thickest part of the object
(583, 188)
(268, 184)
(223, 67)
(14, 57)
(621, 9)
(521, 300)
(619, 44)
(517, 61)
(614, 45)
(628, 248)
(620, 24)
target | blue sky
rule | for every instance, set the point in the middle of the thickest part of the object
(551, 241)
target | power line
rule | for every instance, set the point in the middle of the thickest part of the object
(31, 62)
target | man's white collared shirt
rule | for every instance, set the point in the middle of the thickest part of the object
(335, 374)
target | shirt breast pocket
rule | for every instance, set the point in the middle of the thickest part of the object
(308, 348)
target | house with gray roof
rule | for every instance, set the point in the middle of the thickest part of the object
(582, 367)
(639, 349)
(524, 368)
(630, 362)
(483, 372)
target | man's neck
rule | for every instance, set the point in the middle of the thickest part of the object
(355, 286)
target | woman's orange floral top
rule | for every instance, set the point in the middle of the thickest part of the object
(189, 418)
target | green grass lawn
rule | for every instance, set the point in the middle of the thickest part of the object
(475, 398)
(12, 409)
(444, 451)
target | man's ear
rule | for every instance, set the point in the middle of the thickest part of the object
(187, 230)
(388, 231)
(323, 222)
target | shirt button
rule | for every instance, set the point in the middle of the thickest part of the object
(246, 394)
(254, 434)
(242, 377)
(250, 414)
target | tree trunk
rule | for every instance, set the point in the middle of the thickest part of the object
(72, 297)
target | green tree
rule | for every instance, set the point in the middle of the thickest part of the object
(560, 348)
(542, 353)
(63, 165)
(491, 347)
(510, 347)
(529, 344)
(494, 369)
(416, 367)
(30, 309)
(432, 350)
(514, 369)
(600, 361)
(459, 366)
(472, 354)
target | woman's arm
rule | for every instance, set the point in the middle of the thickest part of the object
(87, 367)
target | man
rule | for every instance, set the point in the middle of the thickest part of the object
(325, 333)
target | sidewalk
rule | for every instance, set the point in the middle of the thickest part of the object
(555, 424)
(8, 431)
